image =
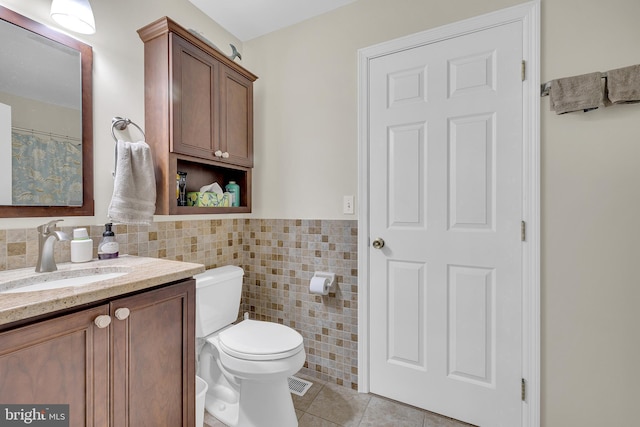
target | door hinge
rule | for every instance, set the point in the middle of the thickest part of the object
(523, 68)
(523, 231)
(523, 390)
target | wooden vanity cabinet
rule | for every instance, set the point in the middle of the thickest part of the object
(64, 360)
(198, 111)
(153, 357)
(139, 370)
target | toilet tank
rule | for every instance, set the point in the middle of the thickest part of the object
(218, 293)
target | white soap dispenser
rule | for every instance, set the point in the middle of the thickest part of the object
(81, 246)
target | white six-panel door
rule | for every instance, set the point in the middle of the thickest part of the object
(445, 171)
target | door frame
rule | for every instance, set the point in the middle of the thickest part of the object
(529, 14)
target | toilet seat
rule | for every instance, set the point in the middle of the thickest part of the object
(257, 340)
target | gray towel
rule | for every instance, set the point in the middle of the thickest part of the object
(134, 187)
(585, 92)
(623, 85)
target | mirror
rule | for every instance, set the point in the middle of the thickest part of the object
(46, 121)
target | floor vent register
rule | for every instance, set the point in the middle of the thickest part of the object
(299, 386)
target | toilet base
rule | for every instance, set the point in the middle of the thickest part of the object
(225, 411)
(262, 404)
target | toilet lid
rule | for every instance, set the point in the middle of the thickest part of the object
(256, 340)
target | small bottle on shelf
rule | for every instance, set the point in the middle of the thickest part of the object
(181, 190)
(234, 189)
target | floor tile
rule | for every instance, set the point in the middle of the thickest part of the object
(302, 403)
(386, 413)
(339, 405)
(435, 420)
(309, 420)
(330, 405)
(211, 421)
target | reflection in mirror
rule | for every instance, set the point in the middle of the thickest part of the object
(45, 120)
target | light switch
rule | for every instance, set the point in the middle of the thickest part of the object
(347, 205)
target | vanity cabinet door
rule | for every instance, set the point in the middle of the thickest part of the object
(59, 361)
(236, 117)
(195, 100)
(153, 336)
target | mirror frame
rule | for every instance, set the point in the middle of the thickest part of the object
(86, 59)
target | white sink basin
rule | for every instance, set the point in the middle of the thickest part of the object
(60, 279)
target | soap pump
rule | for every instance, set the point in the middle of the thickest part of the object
(81, 246)
(108, 247)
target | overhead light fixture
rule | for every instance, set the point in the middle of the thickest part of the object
(74, 15)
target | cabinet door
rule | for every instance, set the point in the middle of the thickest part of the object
(154, 358)
(59, 361)
(194, 100)
(236, 117)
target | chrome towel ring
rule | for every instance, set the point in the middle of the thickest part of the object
(121, 124)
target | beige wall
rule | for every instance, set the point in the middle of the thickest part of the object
(44, 117)
(590, 234)
(306, 160)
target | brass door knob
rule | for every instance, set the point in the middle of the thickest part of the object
(378, 243)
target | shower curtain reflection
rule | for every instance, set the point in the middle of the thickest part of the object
(46, 169)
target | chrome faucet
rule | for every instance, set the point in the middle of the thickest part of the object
(47, 236)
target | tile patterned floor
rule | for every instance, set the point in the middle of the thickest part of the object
(331, 405)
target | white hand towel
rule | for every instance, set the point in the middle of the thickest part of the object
(134, 188)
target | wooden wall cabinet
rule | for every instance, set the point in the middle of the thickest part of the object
(198, 116)
(139, 370)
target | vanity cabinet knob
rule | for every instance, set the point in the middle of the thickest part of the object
(225, 155)
(122, 313)
(102, 321)
(217, 153)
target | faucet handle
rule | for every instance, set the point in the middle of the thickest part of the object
(48, 227)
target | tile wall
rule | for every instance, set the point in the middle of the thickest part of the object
(279, 258)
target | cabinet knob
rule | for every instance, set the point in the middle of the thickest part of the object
(102, 321)
(225, 155)
(122, 313)
(217, 153)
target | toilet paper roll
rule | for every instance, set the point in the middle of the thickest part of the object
(319, 285)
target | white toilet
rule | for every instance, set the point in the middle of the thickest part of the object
(246, 365)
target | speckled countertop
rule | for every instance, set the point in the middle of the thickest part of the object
(142, 273)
